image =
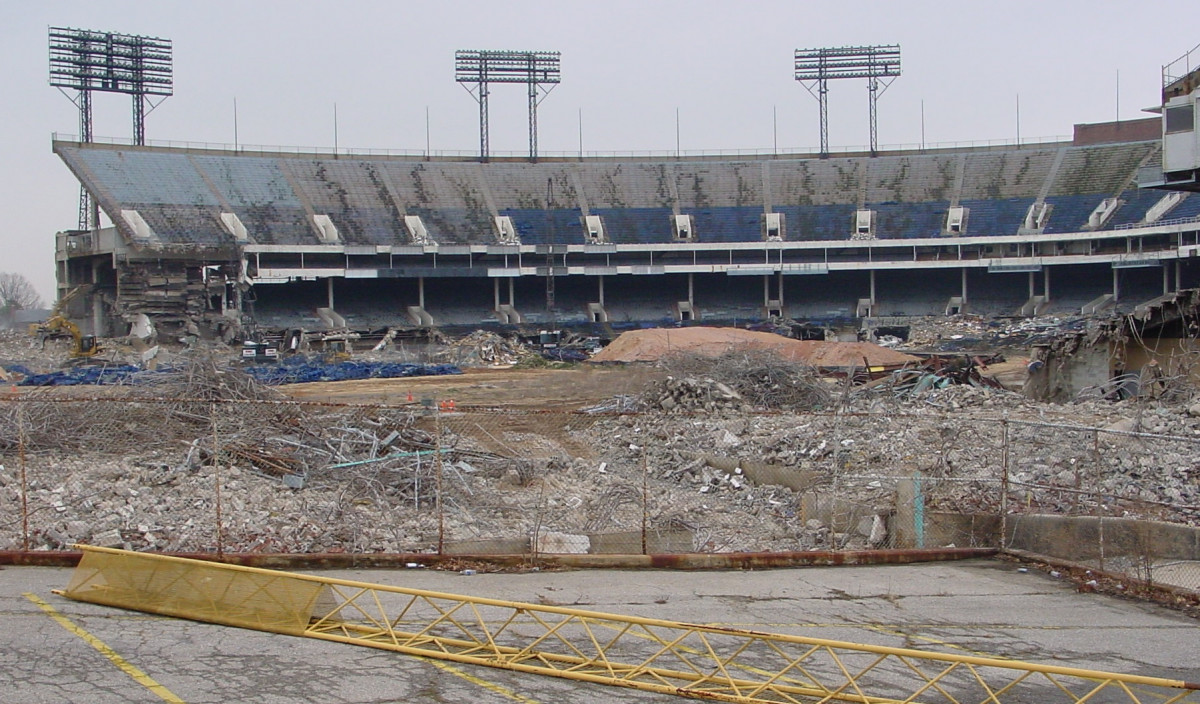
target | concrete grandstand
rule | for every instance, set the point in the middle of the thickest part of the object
(211, 236)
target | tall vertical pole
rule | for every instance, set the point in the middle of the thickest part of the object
(580, 133)
(1018, 119)
(235, 125)
(823, 101)
(775, 127)
(139, 119)
(427, 152)
(873, 96)
(89, 215)
(677, 132)
(922, 124)
(533, 103)
(483, 117)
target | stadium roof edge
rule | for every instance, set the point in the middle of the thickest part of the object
(657, 157)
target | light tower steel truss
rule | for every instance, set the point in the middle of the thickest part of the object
(692, 660)
(88, 61)
(476, 69)
(880, 65)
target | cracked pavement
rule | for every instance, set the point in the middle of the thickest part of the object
(980, 607)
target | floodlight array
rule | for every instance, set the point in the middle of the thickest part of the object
(847, 62)
(498, 66)
(88, 60)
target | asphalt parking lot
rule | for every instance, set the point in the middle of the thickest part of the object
(56, 650)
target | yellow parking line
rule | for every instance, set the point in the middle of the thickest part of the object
(490, 686)
(122, 664)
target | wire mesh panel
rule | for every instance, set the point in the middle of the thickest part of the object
(1112, 498)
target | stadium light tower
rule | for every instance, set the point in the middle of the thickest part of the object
(481, 67)
(85, 61)
(880, 65)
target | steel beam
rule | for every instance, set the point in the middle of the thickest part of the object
(692, 660)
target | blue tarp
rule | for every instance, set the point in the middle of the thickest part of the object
(295, 370)
(298, 371)
(77, 376)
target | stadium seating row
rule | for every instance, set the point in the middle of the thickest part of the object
(182, 194)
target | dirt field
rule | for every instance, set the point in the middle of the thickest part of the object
(538, 389)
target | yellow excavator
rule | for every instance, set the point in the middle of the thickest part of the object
(58, 325)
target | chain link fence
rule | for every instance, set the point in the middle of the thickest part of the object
(277, 476)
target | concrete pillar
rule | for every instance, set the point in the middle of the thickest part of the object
(692, 289)
(98, 327)
(1116, 285)
(780, 275)
(1046, 283)
(1166, 278)
(1177, 277)
(601, 282)
(495, 294)
(329, 292)
(1032, 285)
(511, 298)
(872, 273)
(766, 289)
(421, 292)
(964, 285)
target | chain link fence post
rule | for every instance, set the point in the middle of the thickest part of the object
(645, 498)
(1005, 455)
(24, 476)
(216, 456)
(440, 469)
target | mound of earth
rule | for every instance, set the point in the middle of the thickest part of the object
(652, 345)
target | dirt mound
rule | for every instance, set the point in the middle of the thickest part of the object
(652, 345)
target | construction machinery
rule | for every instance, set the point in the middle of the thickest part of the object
(57, 325)
(82, 347)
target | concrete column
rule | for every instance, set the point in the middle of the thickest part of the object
(964, 285)
(421, 292)
(692, 289)
(1166, 278)
(1116, 285)
(511, 286)
(766, 289)
(329, 292)
(495, 294)
(1177, 279)
(1032, 285)
(601, 282)
(98, 327)
(872, 273)
(780, 275)
(1046, 282)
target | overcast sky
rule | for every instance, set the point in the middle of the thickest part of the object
(627, 66)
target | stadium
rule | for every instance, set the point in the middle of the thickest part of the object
(225, 238)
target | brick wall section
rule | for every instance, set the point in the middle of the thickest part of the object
(1141, 130)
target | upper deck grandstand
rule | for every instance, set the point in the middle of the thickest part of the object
(964, 216)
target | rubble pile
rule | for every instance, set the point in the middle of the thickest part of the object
(483, 348)
(753, 379)
(975, 332)
(362, 479)
(692, 394)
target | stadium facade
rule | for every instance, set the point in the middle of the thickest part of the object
(218, 238)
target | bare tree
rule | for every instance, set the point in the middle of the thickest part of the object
(16, 293)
